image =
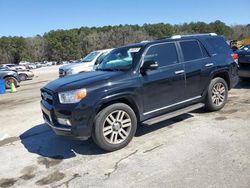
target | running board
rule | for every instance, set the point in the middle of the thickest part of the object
(173, 114)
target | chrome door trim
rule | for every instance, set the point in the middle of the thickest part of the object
(179, 72)
(209, 65)
(169, 106)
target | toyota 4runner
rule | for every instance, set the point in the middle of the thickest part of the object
(146, 82)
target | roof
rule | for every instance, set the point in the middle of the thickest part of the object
(167, 39)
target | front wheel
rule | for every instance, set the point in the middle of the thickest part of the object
(217, 94)
(115, 127)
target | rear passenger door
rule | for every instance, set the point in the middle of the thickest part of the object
(162, 88)
(198, 66)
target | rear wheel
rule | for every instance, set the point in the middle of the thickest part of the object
(115, 127)
(217, 94)
(10, 80)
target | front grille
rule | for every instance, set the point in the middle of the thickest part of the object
(47, 96)
(46, 117)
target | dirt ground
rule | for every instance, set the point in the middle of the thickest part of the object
(198, 149)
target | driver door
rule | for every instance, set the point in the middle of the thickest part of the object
(163, 87)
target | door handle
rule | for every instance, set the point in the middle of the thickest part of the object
(179, 72)
(209, 65)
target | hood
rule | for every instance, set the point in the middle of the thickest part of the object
(81, 80)
(75, 65)
(8, 72)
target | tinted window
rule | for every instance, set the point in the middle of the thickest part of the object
(163, 54)
(191, 50)
(204, 51)
(219, 45)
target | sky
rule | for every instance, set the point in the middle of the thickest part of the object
(31, 17)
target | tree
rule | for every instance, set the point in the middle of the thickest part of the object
(75, 43)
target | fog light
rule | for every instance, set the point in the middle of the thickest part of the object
(63, 121)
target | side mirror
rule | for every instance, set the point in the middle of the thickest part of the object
(149, 65)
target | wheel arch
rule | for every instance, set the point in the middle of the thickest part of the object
(128, 100)
(224, 75)
(10, 76)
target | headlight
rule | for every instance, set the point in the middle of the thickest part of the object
(73, 96)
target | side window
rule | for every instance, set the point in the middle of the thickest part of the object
(204, 51)
(219, 45)
(191, 50)
(163, 54)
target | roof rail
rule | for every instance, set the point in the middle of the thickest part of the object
(203, 34)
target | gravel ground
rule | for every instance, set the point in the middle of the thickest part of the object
(198, 149)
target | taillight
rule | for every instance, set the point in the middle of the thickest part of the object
(235, 57)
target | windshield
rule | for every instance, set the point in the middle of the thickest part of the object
(90, 57)
(119, 59)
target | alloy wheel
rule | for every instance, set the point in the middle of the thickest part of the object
(218, 94)
(117, 127)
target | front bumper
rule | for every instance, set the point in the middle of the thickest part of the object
(81, 132)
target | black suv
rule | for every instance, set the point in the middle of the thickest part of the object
(146, 82)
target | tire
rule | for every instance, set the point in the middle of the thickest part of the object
(217, 94)
(114, 127)
(9, 80)
(23, 77)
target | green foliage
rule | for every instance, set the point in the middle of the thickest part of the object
(75, 43)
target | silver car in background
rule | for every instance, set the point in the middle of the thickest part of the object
(88, 63)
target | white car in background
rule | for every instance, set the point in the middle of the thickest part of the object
(15, 67)
(88, 63)
(32, 66)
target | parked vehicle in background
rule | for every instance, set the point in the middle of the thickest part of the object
(235, 44)
(87, 64)
(10, 66)
(32, 66)
(43, 64)
(25, 74)
(15, 67)
(38, 65)
(145, 82)
(25, 64)
(244, 61)
(10, 77)
(49, 63)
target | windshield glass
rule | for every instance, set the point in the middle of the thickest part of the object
(91, 56)
(119, 59)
